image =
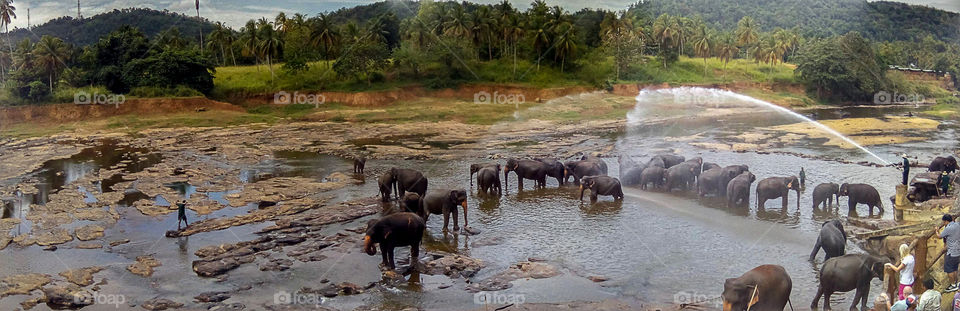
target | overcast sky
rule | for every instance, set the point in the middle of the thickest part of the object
(236, 12)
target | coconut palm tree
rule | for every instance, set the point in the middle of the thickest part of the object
(483, 29)
(513, 30)
(7, 15)
(270, 45)
(702, 45)
(666, 31)
(565, 43)
(250, 40)
(324, 35)
(726, 51)
(746, 31)
(51, 54)
(459, 23)
(220, 39)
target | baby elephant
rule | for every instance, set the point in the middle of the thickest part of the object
(766, 287)
(445, 201)
(601, 185)
(824, 194)
(833, 240)
(398, 229)
(358, 164)
(488, 180)
(410, 202)
(861, 193)
(738, 189)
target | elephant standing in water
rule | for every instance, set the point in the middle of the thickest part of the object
(681, 176)
(738, 189)
(833, 240)
(600, 162)
(630, 171)
(861, 193)
(669, 160)
(846, 273)
(824, 194)
(385, 184)
(726, 174)
(707, 181)
(601, 185)
(943, 164)
(444, 201)
(404, 179)
(579, 169)
(488, 180)
(526, 169)
(777, 187)
(398, 229)
(358, 164)
(412, 203)
(766, 287)
(554, 169)
(708, 166)
(474, 168)
(652, 174)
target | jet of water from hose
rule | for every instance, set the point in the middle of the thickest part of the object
(699, 95)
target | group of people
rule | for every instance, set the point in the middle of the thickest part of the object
(949, 231)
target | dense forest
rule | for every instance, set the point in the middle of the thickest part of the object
(440, 44)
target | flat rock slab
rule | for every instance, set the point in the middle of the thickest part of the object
(158, 304)
(22, 284)
(89, 232)
(82, 276)
(143, 266)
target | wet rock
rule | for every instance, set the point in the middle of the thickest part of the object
(227, 307)
(212, 297)
(276, 264)
(598, 279)
(471, 231)
(89, 232)
(82, 276)
(290, 240)
(88, 246)
(119, 242)
(157, 304)
(347, 288)
(30, 303)
(50, 248)
(212, 268)
(523, 270)
(22, 284)
(56, 236)
(453, 265)
(143, 266)
(67, 296)
(266, 204)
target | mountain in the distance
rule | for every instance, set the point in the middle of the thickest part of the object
(88, 30)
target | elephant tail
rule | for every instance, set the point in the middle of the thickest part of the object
(790, 303)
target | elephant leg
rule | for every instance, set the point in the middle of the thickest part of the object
(519, 183)
(816, 299)
(385, 258)
(456, 219)
(393, 264)
(863, 298)
(593, 196)
(826, 301)
(852, 205)
(785, 201)
(856, 299)
(816, 249)
(446, 218)
(415, 255)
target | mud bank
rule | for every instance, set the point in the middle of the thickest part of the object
(60, 113)
(382, 98)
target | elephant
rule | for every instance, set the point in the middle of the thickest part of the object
(832, 239)
(474, 168)
(601, 185)
(579, 169)
(358, 164)
(656, 162)
(397, 229)
(411, 203)
(941, 164)
(554, 169)
(632, 176)
(445, 202)
(738, 189)
(670, 160)
(625, 163)
(600, 162)
(697, 162)
(824, 194)
(726, 174)
(777, 187)
(404, 179)
(385, 186)
(846, 273)
(765, 287)
(681, 176)
(526, 169)
(708, 165)
(861, 193)
(652, 174)
(707, 181)
(488, 180)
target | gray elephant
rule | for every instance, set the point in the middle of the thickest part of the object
(652, 174)
(632, 176)
(726, 174)
(411, 202)
(601, 185)
(948, 164)
(385, 186)
(832, 239)
(579, 169)
(656, 162)
(738, 189)
(554, 169)
(670, 160)
(474, 168)
(766, 287)
(825, 194)
(600, 162)
(846, 273)
(707, 182)
(526, 169)
(861, 193)
(488, 180)
(404, 180)
(445, 202)
(681, 176)
(625, 163)
(391, 231)
(709, 165)
(777, 187)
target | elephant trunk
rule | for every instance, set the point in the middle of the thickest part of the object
(581, 192)
(368, 246)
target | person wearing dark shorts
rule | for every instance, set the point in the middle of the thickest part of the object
(951, 238)
(906, 168)
(181, 213)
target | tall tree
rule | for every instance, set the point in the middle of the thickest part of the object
(324, 35)
(270, 45)
(51, 55)
(702, 44)
(7, 15)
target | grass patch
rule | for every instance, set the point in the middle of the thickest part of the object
(691, 71)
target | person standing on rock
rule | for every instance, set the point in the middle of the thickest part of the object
(182, 213)
(951, 238)
(944, 184)
(803, 178)
(906, 168)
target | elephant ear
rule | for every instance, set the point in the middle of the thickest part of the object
(790, 184)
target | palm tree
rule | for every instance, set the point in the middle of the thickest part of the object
(51, 55)
(459, 24)
(702, 45)
(270, 45)
(746, 31)
(324, 35)
(220, 38)
(250, 39)
(565, 43)
(666, 32)
(7, 15)
(513, 30)
(726, 50)
(483, 29)
(416, 33)
(282, 23)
